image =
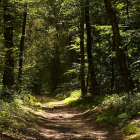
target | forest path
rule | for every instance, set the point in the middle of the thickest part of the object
(62, 122)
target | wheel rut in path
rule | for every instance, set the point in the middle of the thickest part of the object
(61, 122)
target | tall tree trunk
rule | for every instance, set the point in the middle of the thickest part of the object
(87, 81)
(22, 45)
(8, 76)
(58, 66)
(52, 80)
(119, 51)
(54, 76)
(71, 55)
(89, 53)
(82, 73)
(111, 50)
(112, 68)
(57, 59)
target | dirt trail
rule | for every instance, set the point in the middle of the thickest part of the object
(62, 122)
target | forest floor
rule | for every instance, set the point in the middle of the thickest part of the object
(58, 121)
(62, 122)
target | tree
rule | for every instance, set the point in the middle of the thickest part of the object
(8, 19)
(89, 53)
(82, 71)
(129, 85)
(22, 45)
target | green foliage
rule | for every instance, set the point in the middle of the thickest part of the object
(108, 117)
(73, 98)
(14, 116)
(99, 99)
(131, 128)
(47, 100)
(52, 57)
(71, 95)
(62, 95)
(121, 109)
(79, 103)
(46, 93)
(66, 88)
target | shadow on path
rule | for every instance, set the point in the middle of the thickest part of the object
(62, 122)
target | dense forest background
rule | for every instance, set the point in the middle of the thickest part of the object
(59, 45)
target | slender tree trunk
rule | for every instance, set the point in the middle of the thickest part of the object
(119, 51)
(8, 76)
(111, 50)
(87, 81)
(112, 69)
(22, 45)
(57, 59)
(58, 66)
(82, 73)
(52, 80)
(54, 76)
(71, 54)
(89, 53)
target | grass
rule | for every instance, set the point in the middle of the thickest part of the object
(47, 100)
(73, 96)
(131, 128)
(74, 99)
(47, 93)
(14, 118)
(63, 95)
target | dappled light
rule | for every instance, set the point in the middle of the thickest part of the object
(69, 69)
(59, 121)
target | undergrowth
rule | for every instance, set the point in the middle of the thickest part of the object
(121, 109)
(14, 118)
